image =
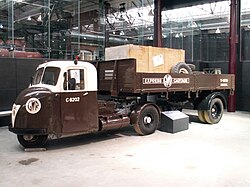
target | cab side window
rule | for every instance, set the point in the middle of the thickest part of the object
(74, 79)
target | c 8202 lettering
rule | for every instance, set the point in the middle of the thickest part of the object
(72, 99)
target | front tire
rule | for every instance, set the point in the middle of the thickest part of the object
(147, 120)
(214, 113)
(32, 141)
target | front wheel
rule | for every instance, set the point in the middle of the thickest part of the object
(32, 141)
(147, 120)
(214, 113)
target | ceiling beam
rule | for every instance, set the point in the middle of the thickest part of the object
(172, 4)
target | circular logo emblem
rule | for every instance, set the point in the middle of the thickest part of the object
(33, 105)
(167, 80)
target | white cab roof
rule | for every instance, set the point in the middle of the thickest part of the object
(89, 69)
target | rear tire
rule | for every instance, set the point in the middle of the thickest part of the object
(215, 112)
(147, 120)
(32, 141)
(201, 116)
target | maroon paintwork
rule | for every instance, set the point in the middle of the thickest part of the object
(48, 117)
(79, 116)
(158, 23)
(125, 80)
(59, 117)
(56, 115)
(233, 44)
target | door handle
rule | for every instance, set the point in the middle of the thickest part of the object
(86, 93)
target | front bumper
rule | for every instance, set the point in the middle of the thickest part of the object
(24, 131)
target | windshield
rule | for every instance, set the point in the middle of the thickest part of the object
(48, 76)
(38, 76)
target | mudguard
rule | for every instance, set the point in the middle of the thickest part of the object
(205, 103)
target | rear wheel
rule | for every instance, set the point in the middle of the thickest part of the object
(201, 116)
(214, 113)
(147, 120)
(32, 141)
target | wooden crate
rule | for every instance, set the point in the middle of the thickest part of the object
(148, 59)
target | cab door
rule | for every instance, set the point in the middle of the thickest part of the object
(79, 107)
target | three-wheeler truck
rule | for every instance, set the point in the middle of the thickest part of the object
(75, 97)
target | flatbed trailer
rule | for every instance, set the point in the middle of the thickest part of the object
(119, 77)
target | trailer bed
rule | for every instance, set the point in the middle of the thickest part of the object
(120, 77)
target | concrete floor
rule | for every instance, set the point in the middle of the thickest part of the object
(204, 155)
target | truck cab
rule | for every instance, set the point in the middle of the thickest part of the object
(61, 99)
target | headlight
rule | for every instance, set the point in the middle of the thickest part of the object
(15, 109)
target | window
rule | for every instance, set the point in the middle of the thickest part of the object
(51, 75)
(38, 76)
(74, 80)
(245, 44)
(86, 55)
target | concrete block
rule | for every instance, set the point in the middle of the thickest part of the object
(174, 121)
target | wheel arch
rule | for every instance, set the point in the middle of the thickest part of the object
(205, 103)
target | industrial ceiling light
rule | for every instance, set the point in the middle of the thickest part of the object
(194, 24)
(39, 18)
(1, 26)
(122, 33)
(122, 7)
(217, 31)
(150, 38)
(29, 18)
(150, 13)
